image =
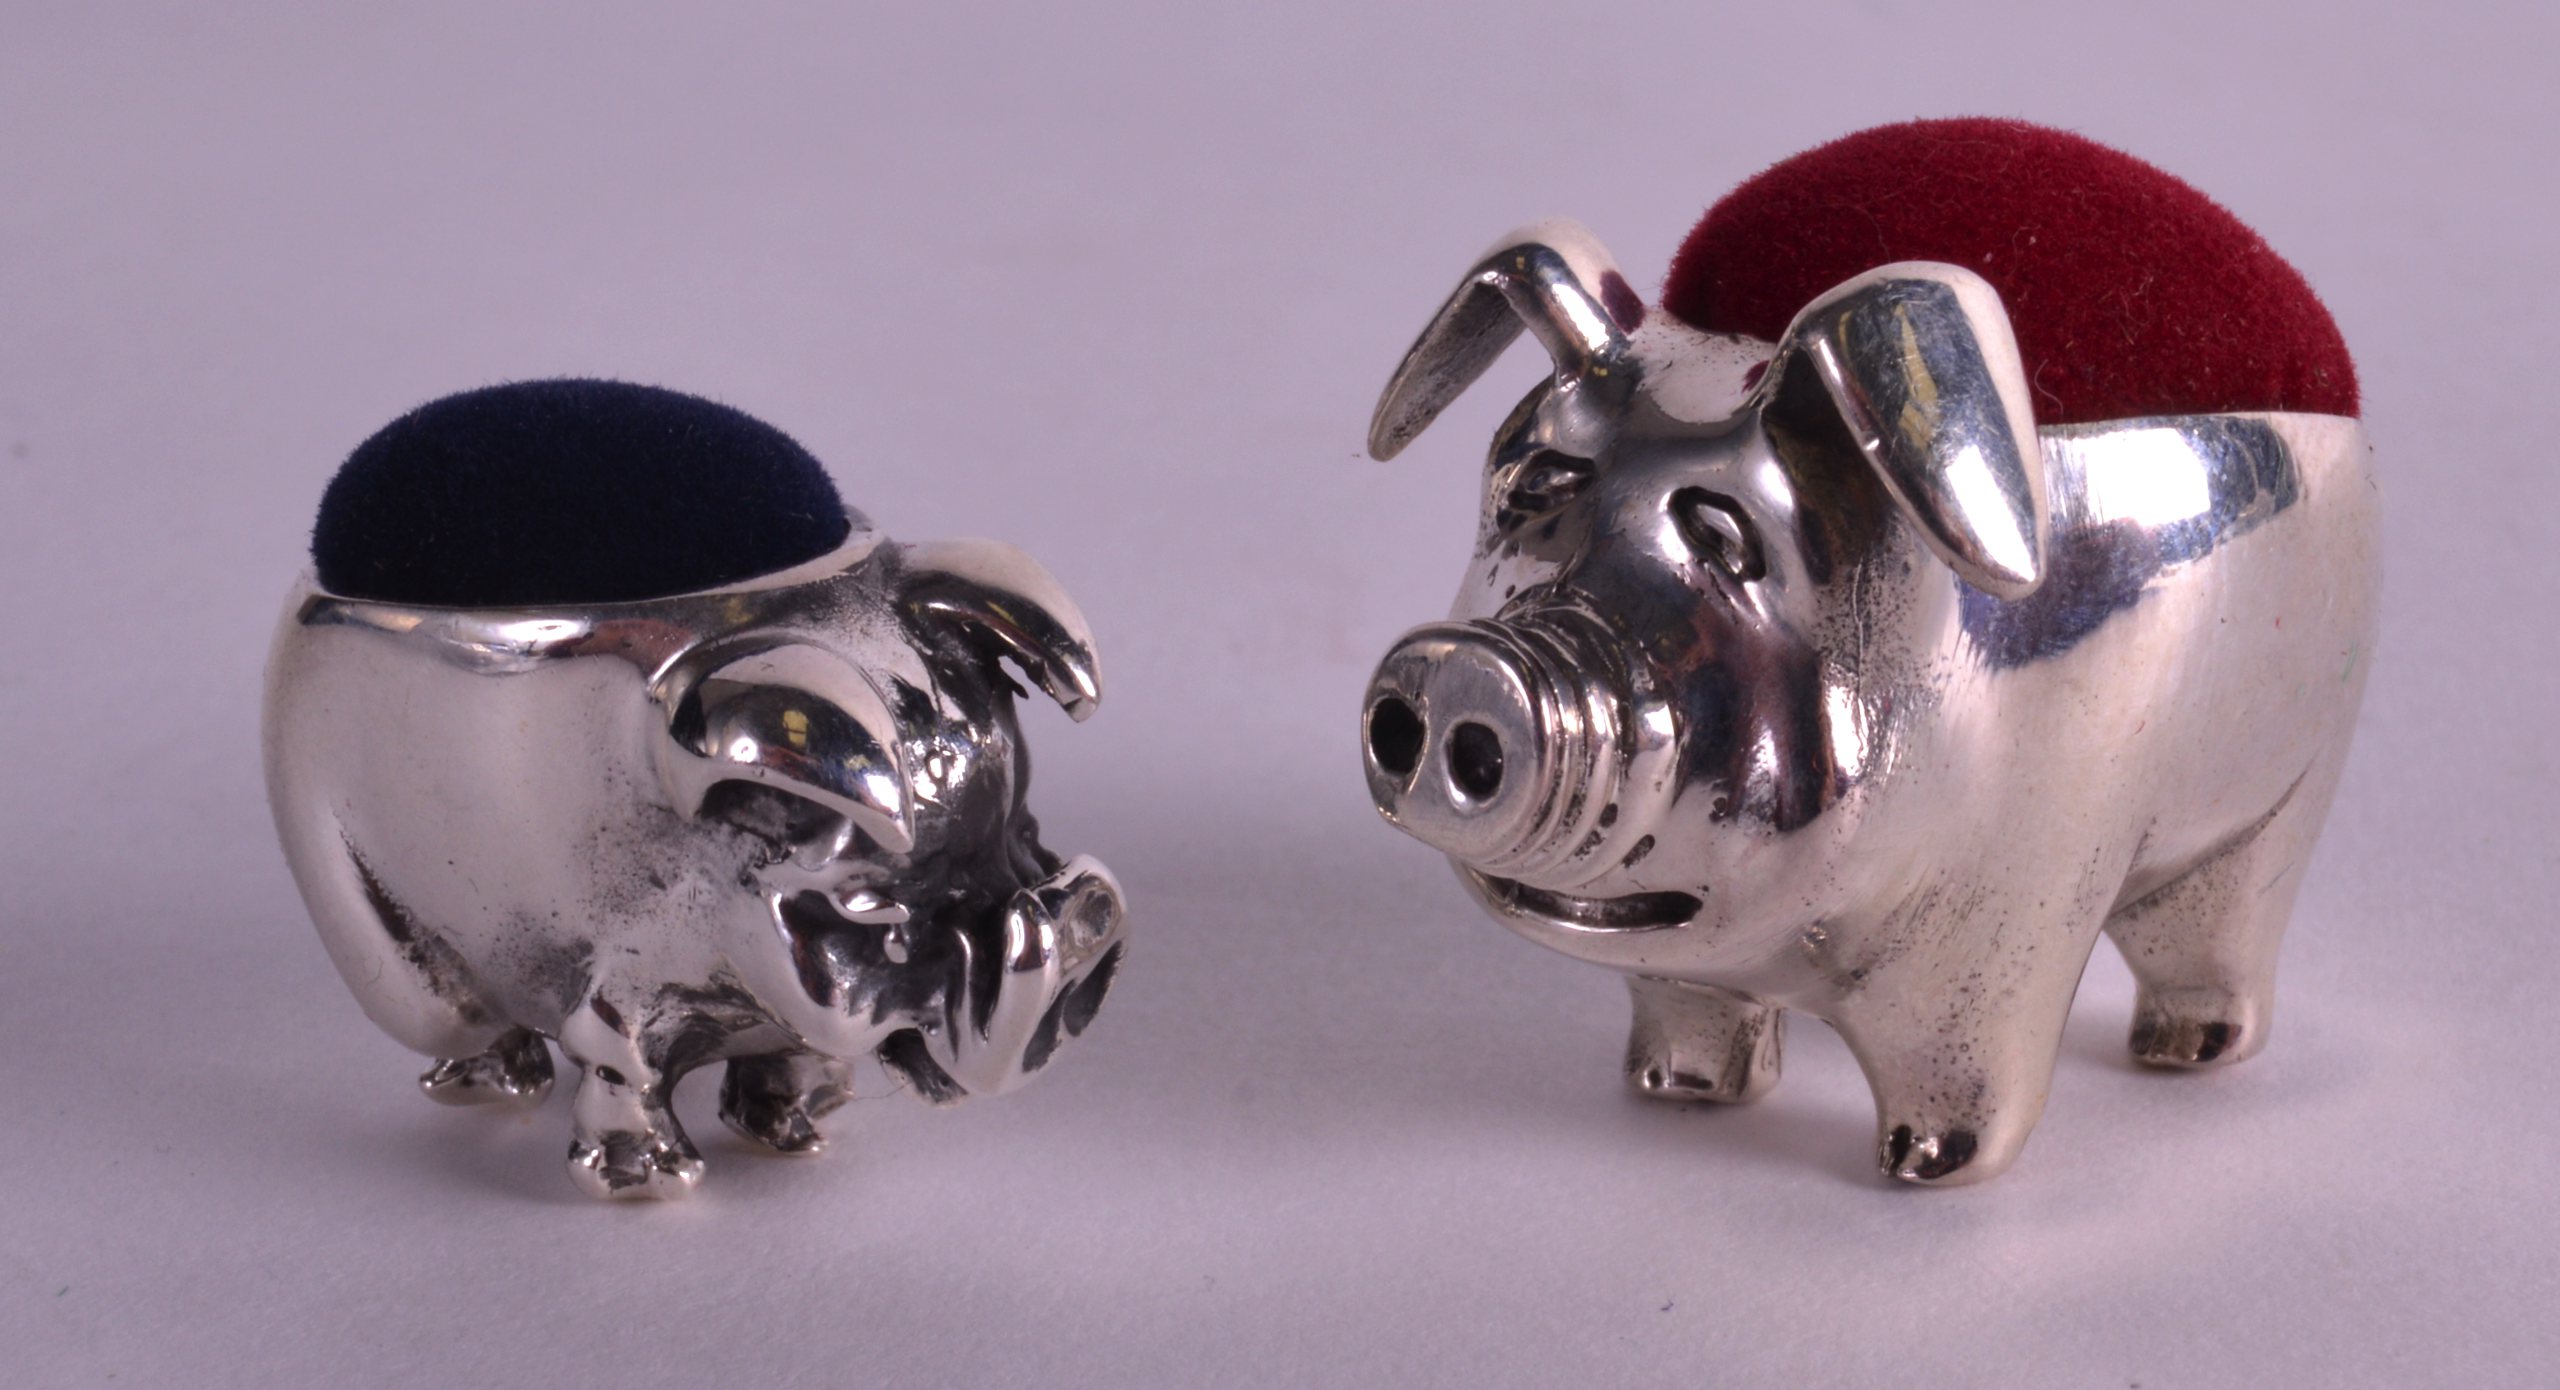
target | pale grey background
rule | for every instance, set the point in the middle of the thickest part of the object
(1118, 283)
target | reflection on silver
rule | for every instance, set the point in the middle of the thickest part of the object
(1814, 676)
(779, 824)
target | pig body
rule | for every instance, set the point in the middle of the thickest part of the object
(778, 824)
(1812, 676)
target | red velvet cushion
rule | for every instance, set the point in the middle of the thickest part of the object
(2131, 292)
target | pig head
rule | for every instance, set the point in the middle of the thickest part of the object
(1629, 719)
(911, 908)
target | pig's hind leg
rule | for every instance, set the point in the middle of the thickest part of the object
(2202, 947)
(777, 1100)
(1699, 1042)
(624, 1139)
(514, 1071)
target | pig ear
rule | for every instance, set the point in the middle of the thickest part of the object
(1920, 362)
(796, 718)
(1554, 279)
(1004, 602)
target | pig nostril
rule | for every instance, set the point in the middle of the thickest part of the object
(1475, 760)
(1395, 736)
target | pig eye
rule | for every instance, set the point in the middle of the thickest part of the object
(1542, 482)
(1717, 532)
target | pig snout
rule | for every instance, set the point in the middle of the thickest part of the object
(1017, 987)
(1501, 743)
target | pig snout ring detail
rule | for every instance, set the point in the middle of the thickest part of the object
(1484, 742)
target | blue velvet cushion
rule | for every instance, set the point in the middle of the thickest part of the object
(570, 491)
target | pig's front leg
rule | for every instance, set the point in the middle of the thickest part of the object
(1699, 1042)
(778, 1100)
(1958, 1033)
(624, 1140)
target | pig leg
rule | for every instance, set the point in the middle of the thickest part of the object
(1698, 1042)
(2203, 947)
(624, 1140)
(1958, 1036)
(777, 1100)
(513, 1071)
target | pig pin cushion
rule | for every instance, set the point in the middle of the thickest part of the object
(1976, 551)
(601, 719)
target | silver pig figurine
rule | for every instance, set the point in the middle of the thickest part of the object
(779, 823)
(1813, 676)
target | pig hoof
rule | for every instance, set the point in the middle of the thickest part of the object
(514, 1071)
(777, 1101)
(1936, 1158)
(634, 1166)
(1700, 1043)
(779, 1123)
(785, 1129)
(2191, 1030)
(1658, 1079)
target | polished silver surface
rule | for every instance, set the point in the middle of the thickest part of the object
(779, 824)
(1814, 676)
